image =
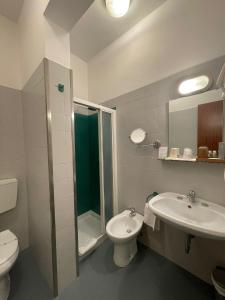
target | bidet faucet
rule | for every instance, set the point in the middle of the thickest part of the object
(191, 196)
(132, 212)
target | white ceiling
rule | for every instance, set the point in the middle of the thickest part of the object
(66, 13)
(97, 29)
(11, 9)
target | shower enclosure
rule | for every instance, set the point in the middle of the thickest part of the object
(95, 166)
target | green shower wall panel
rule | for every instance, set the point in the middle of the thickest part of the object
(87, 163)
(82, 163)
(94, 163)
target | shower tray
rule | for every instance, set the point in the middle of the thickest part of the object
(89, 232)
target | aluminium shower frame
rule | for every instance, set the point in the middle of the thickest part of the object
(100, 109)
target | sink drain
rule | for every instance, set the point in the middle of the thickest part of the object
(129, 230)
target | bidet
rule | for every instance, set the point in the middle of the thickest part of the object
(123, 230)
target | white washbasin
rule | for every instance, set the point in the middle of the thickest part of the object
(202, 218)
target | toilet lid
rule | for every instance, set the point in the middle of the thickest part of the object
(8, 245)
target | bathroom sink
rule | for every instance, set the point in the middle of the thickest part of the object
(201, 218)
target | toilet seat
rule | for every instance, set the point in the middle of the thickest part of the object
(8, 246)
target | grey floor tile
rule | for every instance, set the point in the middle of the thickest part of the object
(149, 277)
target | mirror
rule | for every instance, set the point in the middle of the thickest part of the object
(138, 136)
(197, 121)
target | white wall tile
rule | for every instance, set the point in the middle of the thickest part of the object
(58, 121)
(12, 161)
(35, 127)
(63, 188)
(59, 146)
(61, 109)
(57, 100)
(68, 123)
(66, 257)
(64, 214)
(69, 170)
(69, 147)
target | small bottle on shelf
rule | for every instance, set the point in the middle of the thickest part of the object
(214, 154)
(210, 154)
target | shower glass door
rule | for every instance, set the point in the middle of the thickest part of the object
(86, 128)
(106, 171)
(95, 170)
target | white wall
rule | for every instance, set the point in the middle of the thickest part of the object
(57, 44)
(12, 161)
(24, 45)
(60, 106)
(37, 173)
(178, 35)
(80, 77)
(31, 25)
(40, 38)
(10, 69)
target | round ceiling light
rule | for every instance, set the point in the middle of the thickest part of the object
(117, 8)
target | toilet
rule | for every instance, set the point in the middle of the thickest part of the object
(123, 230)
(9, 246)
(9, 250)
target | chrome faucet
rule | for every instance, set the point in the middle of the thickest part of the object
(132, 212)
(191, 196)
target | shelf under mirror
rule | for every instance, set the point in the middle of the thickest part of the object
(211, 160)
(207, 160)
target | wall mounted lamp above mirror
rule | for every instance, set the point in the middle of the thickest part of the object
(194, 85)
(138, 136)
